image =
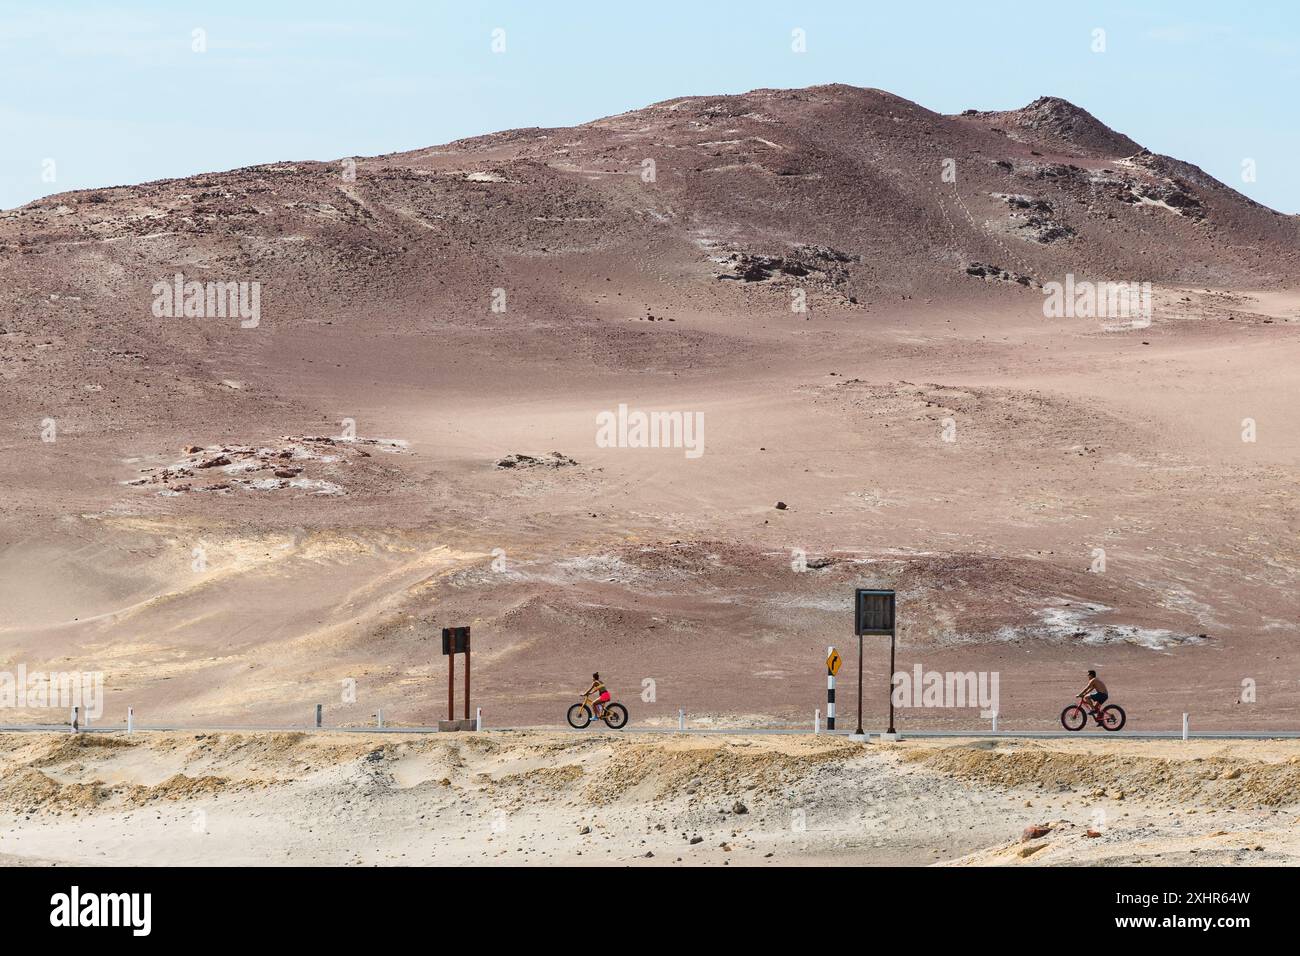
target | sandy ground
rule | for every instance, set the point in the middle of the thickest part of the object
(649, 566)
(533, 798)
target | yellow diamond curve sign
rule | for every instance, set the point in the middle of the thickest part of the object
(833, 663)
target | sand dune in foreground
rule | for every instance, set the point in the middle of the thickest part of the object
(546, 798)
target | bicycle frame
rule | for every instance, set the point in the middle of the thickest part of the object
(1109, 716)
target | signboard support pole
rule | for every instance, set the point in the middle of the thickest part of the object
(874, 613)
(859, 732)
(455, 640)
(891, 684)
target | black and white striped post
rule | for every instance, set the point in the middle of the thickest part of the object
(830, 690)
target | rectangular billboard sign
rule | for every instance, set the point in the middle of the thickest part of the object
(874, 611)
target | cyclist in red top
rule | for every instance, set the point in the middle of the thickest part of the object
(599, 689)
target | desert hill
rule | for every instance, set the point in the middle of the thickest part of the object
(230, 515)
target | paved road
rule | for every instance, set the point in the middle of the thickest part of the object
(736, 731)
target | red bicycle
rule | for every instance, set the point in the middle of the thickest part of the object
(1110, 717)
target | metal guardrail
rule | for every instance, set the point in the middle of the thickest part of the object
(699, 731)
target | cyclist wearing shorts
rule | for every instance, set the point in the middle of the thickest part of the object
(1095, 691)
(600, 690)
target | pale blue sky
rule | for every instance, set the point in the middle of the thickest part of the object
(114, 94)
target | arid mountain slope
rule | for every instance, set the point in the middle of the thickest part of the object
(229, 514)
(842, 189)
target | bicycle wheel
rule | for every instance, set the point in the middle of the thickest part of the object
(615, 716)
(579, 716)
(1113, 717)
(1074, 717)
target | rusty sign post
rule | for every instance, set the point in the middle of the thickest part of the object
(455, 640)
(874, 614)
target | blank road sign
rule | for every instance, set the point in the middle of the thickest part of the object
(455, 640)
(874, 611)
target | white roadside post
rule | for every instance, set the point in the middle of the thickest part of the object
(681, 720)
(381, 718)
(1184, 726)
(76, 726)
(130, 720)
(995, 721)
(817, 721)
(478, 718)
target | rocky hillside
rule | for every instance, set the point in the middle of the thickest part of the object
(855, 196)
